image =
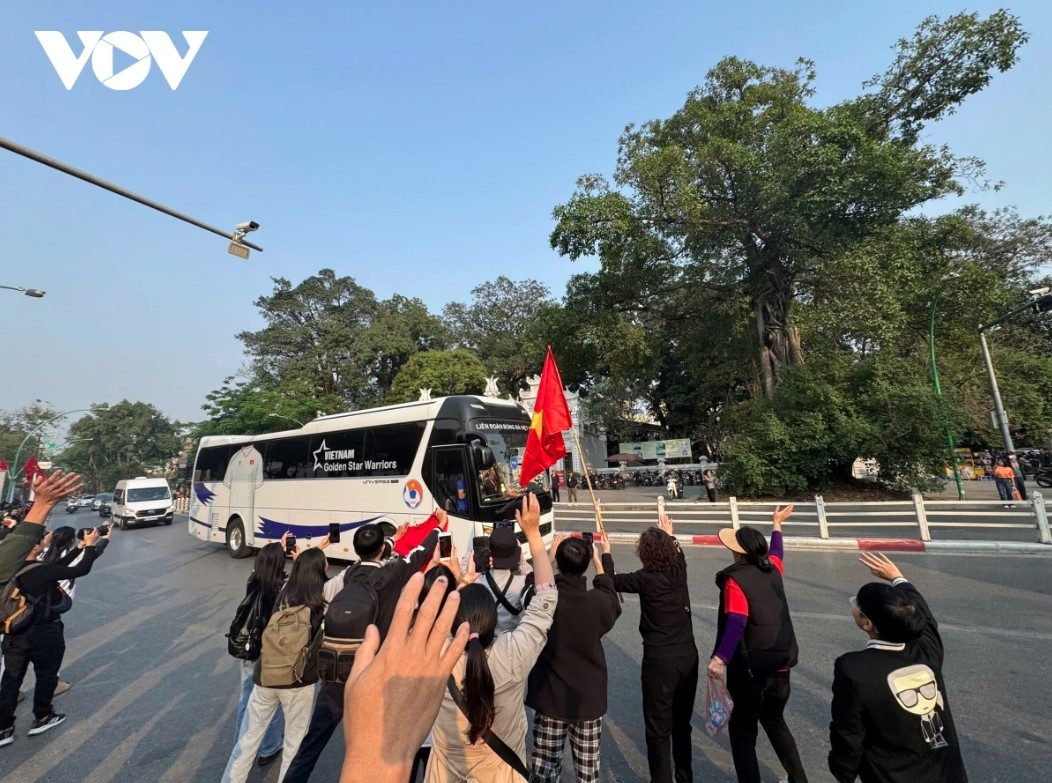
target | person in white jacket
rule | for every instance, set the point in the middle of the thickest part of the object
(490, 678)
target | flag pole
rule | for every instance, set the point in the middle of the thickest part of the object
(599, 526)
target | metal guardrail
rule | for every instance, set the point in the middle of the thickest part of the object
(917, 515)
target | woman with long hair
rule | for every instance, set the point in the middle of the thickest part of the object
(756, 648)
(305, 587)
(670, 658)
(266, 581)
(490, 679)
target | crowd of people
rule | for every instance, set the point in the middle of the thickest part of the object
(439, 666)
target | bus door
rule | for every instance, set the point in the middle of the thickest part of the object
(453, 489)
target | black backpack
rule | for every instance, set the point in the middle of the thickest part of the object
(350, 612)
(245, 637)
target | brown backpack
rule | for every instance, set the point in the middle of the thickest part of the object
(287, 647)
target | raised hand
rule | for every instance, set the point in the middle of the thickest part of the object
(401, 531)
(665, 524)
(394, 692)
(529, 516)
(880, 565)
(781, 514)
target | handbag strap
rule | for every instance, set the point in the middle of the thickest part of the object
(501, 594)
(495, 743)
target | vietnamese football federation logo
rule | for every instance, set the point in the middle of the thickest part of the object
(413, 494)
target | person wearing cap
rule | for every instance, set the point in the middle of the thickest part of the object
(756, 647)
(669, 672)
(506, 577)
(891, 721)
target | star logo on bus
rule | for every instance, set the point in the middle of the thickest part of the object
(320, 450)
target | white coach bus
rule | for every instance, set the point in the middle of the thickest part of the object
(394, 464)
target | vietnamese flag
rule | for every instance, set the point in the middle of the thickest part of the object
(551, 417)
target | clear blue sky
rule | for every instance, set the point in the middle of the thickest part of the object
(416, 146)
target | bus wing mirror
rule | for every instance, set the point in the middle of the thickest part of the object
(483, 456)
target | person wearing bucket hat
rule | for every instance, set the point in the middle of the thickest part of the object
(756, 647)
(891, 721)
(506, 577)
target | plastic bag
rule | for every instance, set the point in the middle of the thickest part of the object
(720, 706)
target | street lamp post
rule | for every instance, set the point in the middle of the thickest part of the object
(36, 293)
(287, 418)
(1043, 303)
(938, 393)
(32, 432)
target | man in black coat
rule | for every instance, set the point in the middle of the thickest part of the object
(891, 718)
(42, 644)
(567, 686)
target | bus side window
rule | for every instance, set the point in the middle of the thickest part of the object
(211, 463)
(450, 481)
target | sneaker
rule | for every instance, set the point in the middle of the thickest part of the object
(40, 725)
(7, 736)
(61, 688)
(264, 761)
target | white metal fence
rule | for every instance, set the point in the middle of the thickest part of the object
(915, 518)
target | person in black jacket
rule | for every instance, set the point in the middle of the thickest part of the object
(43, 643)
(891, 718)
(670, 657)
(386, 578)
(567, 686)
(756, 647)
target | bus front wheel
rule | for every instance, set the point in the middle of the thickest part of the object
(235, 539)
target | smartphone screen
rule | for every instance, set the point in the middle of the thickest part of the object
(334, 532)
(445, 546)
(588, 537)
(290, 544)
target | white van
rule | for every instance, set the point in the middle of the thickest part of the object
(142, 501)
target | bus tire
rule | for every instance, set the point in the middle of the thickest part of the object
(235, 539)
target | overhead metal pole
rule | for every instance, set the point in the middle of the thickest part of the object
(58, 165)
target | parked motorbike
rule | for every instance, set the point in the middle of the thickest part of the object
(1043, 477)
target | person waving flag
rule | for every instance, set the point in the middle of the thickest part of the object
(551, 416)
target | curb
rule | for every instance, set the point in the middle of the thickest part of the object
(870, 544)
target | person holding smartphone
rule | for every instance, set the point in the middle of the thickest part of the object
(43, 643)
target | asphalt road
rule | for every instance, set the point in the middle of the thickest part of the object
(154, 691)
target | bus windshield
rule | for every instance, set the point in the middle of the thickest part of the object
(507, 441)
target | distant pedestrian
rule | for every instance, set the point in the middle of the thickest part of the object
(571, 487)
(1017, 474)
(555, 487)
(708, 478)
(1004, 477)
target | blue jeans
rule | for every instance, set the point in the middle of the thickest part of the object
(1004, 488)
(272, 740)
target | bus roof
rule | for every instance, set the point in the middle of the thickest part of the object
(459, 407)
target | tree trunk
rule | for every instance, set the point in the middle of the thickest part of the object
(779, 342)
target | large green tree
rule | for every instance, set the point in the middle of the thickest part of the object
(121, 441)
(751, 186)
(329, 338)
(443, 372)
(501, 325)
